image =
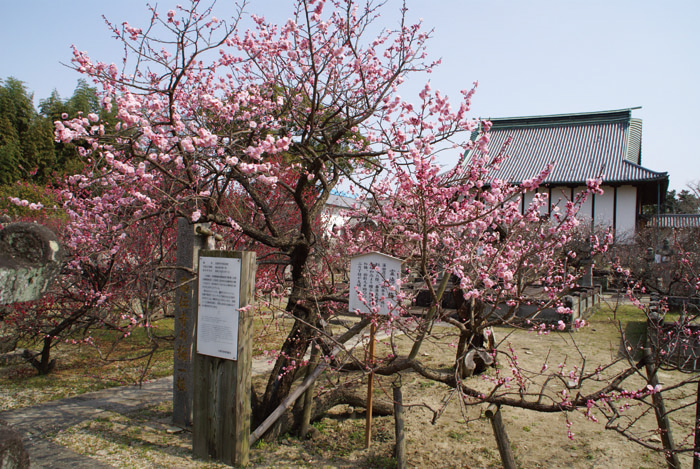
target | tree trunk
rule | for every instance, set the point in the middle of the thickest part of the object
(45, 364)
(294, 395)
(295, 345)
(352, 396)
(472, 338)
(308, 395)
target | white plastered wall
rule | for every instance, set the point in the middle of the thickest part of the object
(529, 197)
(626, 216)
(560, 196)
(586, 211)
(604, 207)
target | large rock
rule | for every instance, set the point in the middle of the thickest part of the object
(30, 259)
(12, 452)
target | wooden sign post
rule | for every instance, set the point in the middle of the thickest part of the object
(373, 284)
(370, 383)
(222, 365)
(188, 246)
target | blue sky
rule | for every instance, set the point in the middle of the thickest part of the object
(530, 57)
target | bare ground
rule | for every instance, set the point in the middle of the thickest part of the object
(459, 438)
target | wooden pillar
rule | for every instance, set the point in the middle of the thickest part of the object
(188, 246)
(222, 410)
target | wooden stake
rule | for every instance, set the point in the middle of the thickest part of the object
(400, 448)
(662, 420)
(696, 453)
(308, 395)
(493, 412)
(370, 383)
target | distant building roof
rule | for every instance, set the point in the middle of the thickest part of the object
(341, 201)
(581, 146)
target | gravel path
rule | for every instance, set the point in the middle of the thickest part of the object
(36, 422)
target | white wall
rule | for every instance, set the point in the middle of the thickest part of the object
(604, 207)
(529, 196)
(560, 196)
(626, 214)
(586, 211)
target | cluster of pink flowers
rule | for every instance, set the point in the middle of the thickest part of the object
(26, 203)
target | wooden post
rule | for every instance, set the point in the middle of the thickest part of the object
(660, 411)
(400, 448)
(222, 386)
(188, 246)
(493, 412)
(696, 452)
(308, 395)
(370, 384)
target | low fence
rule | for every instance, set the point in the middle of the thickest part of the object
(581, 301)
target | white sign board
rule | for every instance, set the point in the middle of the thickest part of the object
(374, 282)
(218, 303)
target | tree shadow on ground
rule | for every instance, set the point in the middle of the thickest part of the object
(633, 340)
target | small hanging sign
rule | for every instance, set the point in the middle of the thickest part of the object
(374, 283)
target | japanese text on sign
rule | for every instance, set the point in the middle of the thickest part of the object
(374, 283)
(218, 303)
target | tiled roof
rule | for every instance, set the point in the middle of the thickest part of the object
(581, 146)
(341, 201)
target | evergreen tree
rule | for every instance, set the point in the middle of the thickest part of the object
(9, 151)
(44, 164)
(84, 100)
(27, 138)
(684, 201)
(52, 107)
(16, 104)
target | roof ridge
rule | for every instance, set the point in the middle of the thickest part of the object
(619, 115)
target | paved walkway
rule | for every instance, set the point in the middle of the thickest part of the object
(35, 422)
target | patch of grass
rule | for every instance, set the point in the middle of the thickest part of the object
(270, 329)
(488, 453)
(623, 313)
(82, 368)
(262, 444)
(379, 462)
(608, 321)
(382, 433)
(320, 425)
(357, 436)
(338, 438)
(159, 411)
